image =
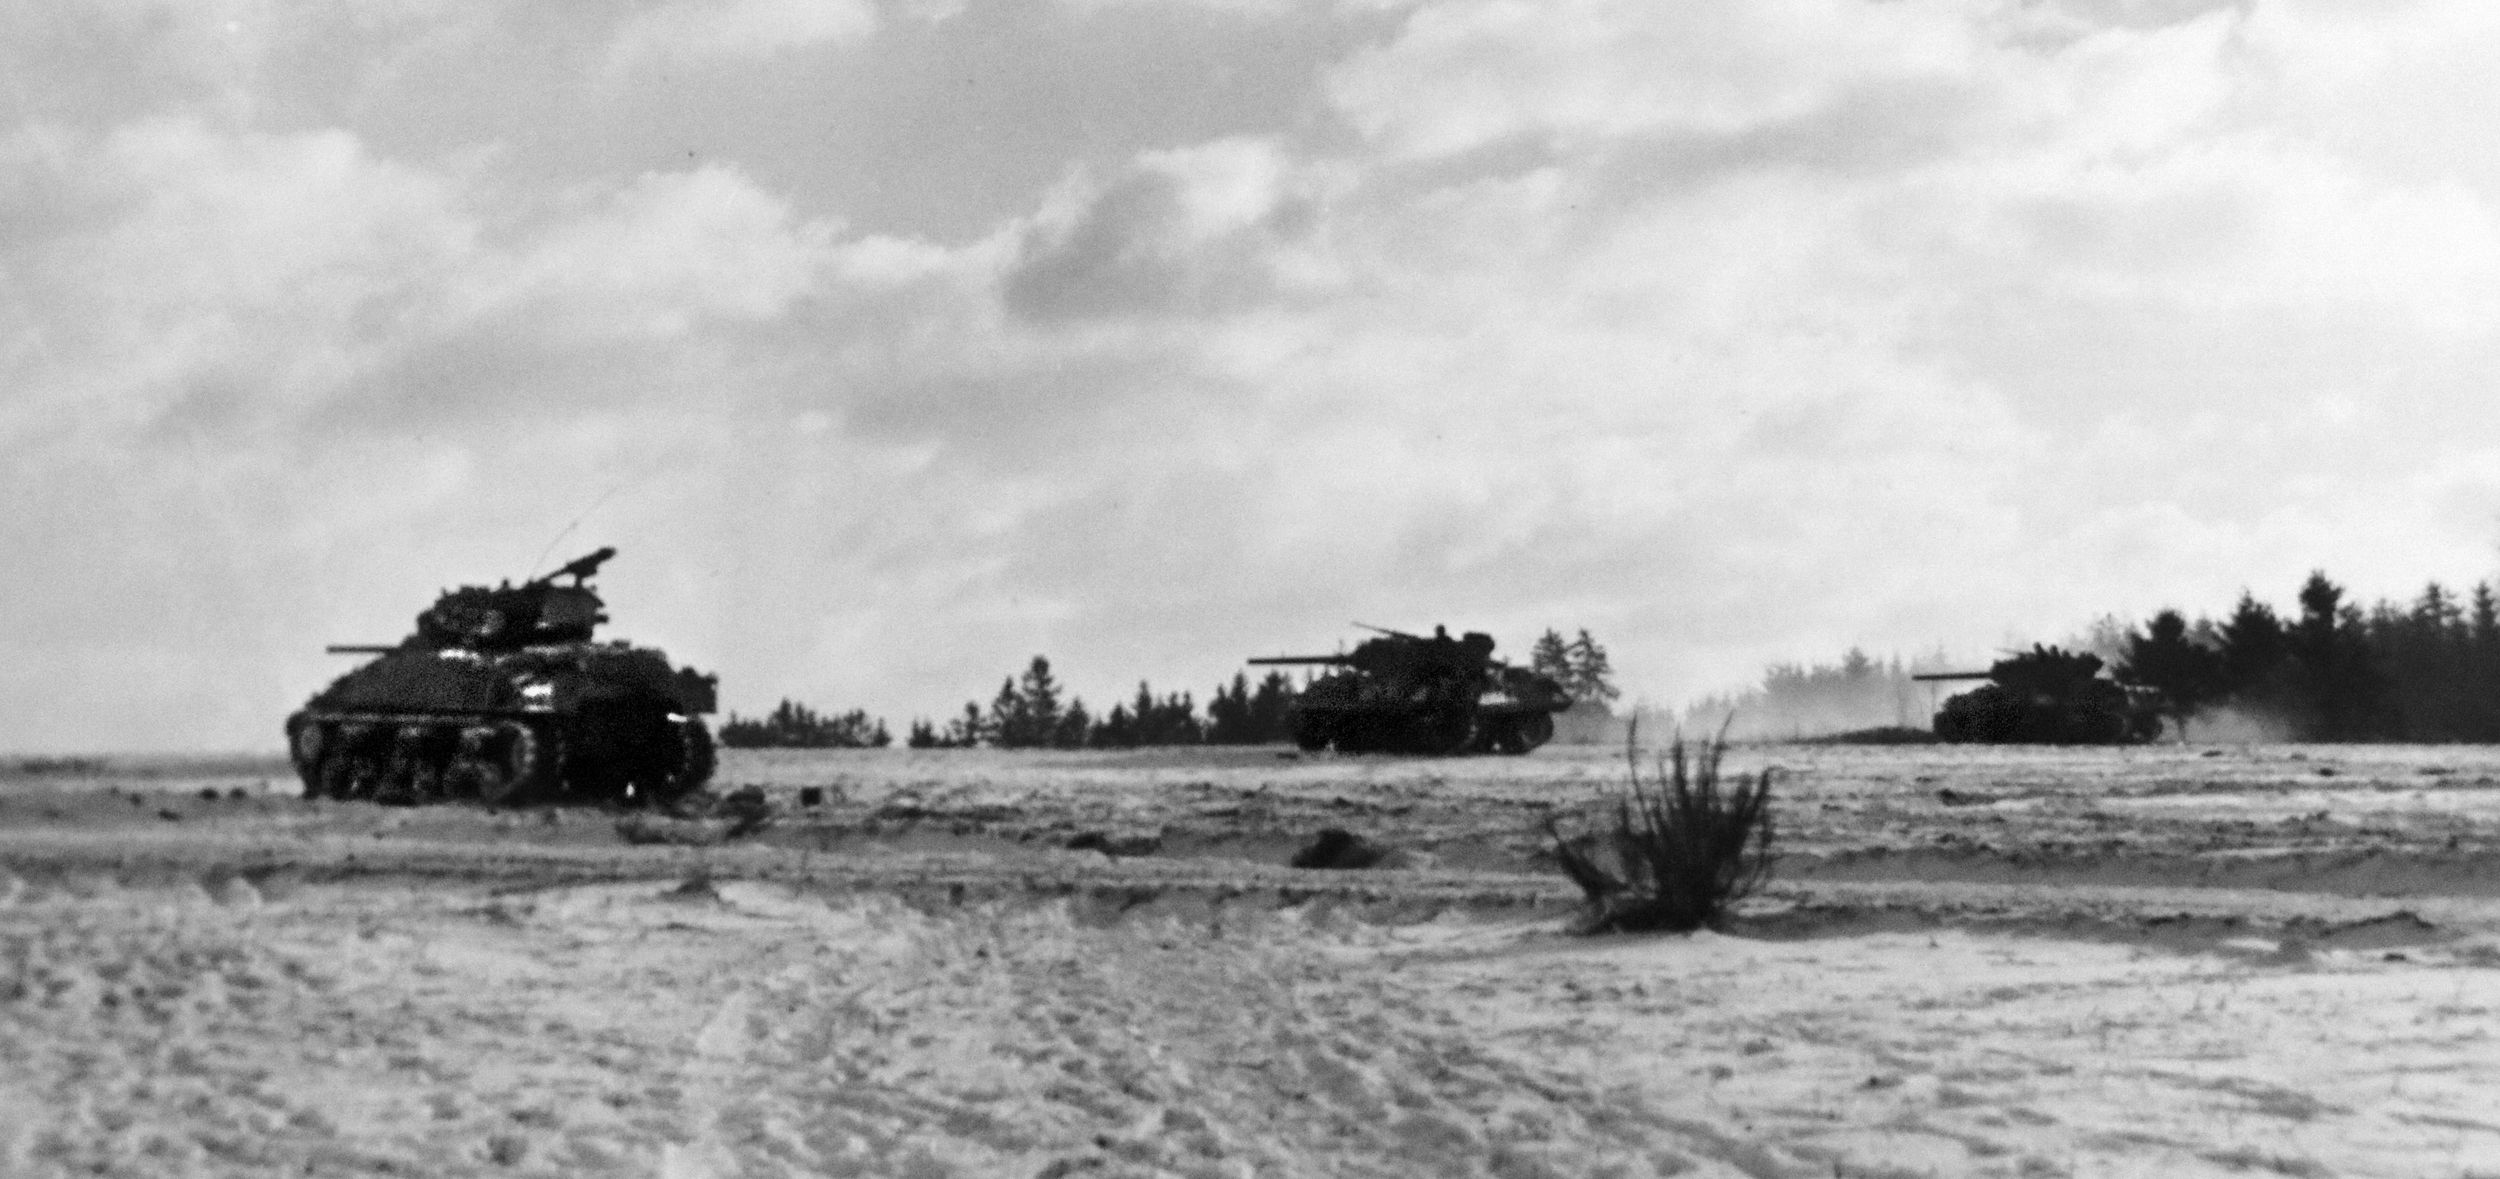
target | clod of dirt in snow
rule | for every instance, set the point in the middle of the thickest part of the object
(229, 888)
(1116, 845)
(694, 889)
(1337, 847)
(747, 811)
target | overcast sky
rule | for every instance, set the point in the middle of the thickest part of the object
(894, 343)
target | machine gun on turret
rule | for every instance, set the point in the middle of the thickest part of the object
(509, 617)
(1408, 693)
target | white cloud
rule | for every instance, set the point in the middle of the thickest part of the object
(665, 253)
(690, 31)
(1731, 333)
(1463, 75)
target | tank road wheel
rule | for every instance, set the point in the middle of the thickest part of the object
(1445, 733)
(347, 769)
(1527, 732)
(404, 773)
(679, 767)
(699, 758)
(469, 765)
(521, 763)
(303, 747)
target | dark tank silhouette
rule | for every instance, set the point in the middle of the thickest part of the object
(2044, 696)
(1403, 693)
(502, 696)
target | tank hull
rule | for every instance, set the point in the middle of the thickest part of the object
(1993, 715)
(1421, 715)
(590, 722)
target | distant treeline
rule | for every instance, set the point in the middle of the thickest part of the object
(1029, 712)
(2423, 670)
(795, 725)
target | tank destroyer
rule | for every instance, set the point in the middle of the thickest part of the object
(1404, 693)
(502, 696)
(2044, 696)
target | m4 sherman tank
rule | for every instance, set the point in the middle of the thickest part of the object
(1403, 693)
(501, 696)
(2045, 696)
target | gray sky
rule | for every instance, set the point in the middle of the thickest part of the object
(894, 343)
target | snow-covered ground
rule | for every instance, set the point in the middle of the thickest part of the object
(917, 977)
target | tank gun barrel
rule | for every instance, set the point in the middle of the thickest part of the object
(580, 567)
(358, 649)
(1953, 675)
(1267, 660)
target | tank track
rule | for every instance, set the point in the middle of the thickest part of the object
(420, 758)
(1430, 735)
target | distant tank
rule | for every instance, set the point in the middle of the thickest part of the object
(2045, 696)
(1403, 693)
(501, 696)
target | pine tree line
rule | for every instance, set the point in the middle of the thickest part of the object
(1032, 711)
(794, 725)
(2424, 670)
(1027, 713)
(1580, 666)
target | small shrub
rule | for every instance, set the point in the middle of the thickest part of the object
(1686, 844)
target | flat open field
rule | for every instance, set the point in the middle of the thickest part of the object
(2198, 961)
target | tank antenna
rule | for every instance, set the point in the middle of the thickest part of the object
(567, 530)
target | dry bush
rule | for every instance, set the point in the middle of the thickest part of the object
(1686, 844)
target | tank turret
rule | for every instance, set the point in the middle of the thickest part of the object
(2046, 695)
(1407, 693)
(501, 695)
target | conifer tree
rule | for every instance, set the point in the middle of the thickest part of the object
(969, 729)
(1551, 656)
(2163, 658)
(1593, 675)
(1073, 728)
(1010, 723)
(1271, 708)
(2253, 652)
(1228, 713)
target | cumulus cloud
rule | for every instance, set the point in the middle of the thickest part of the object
(1733, 333)
(1207, 230)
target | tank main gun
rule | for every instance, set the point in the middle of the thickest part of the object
(579, 568)
(1342, 658)
(1932, 676)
